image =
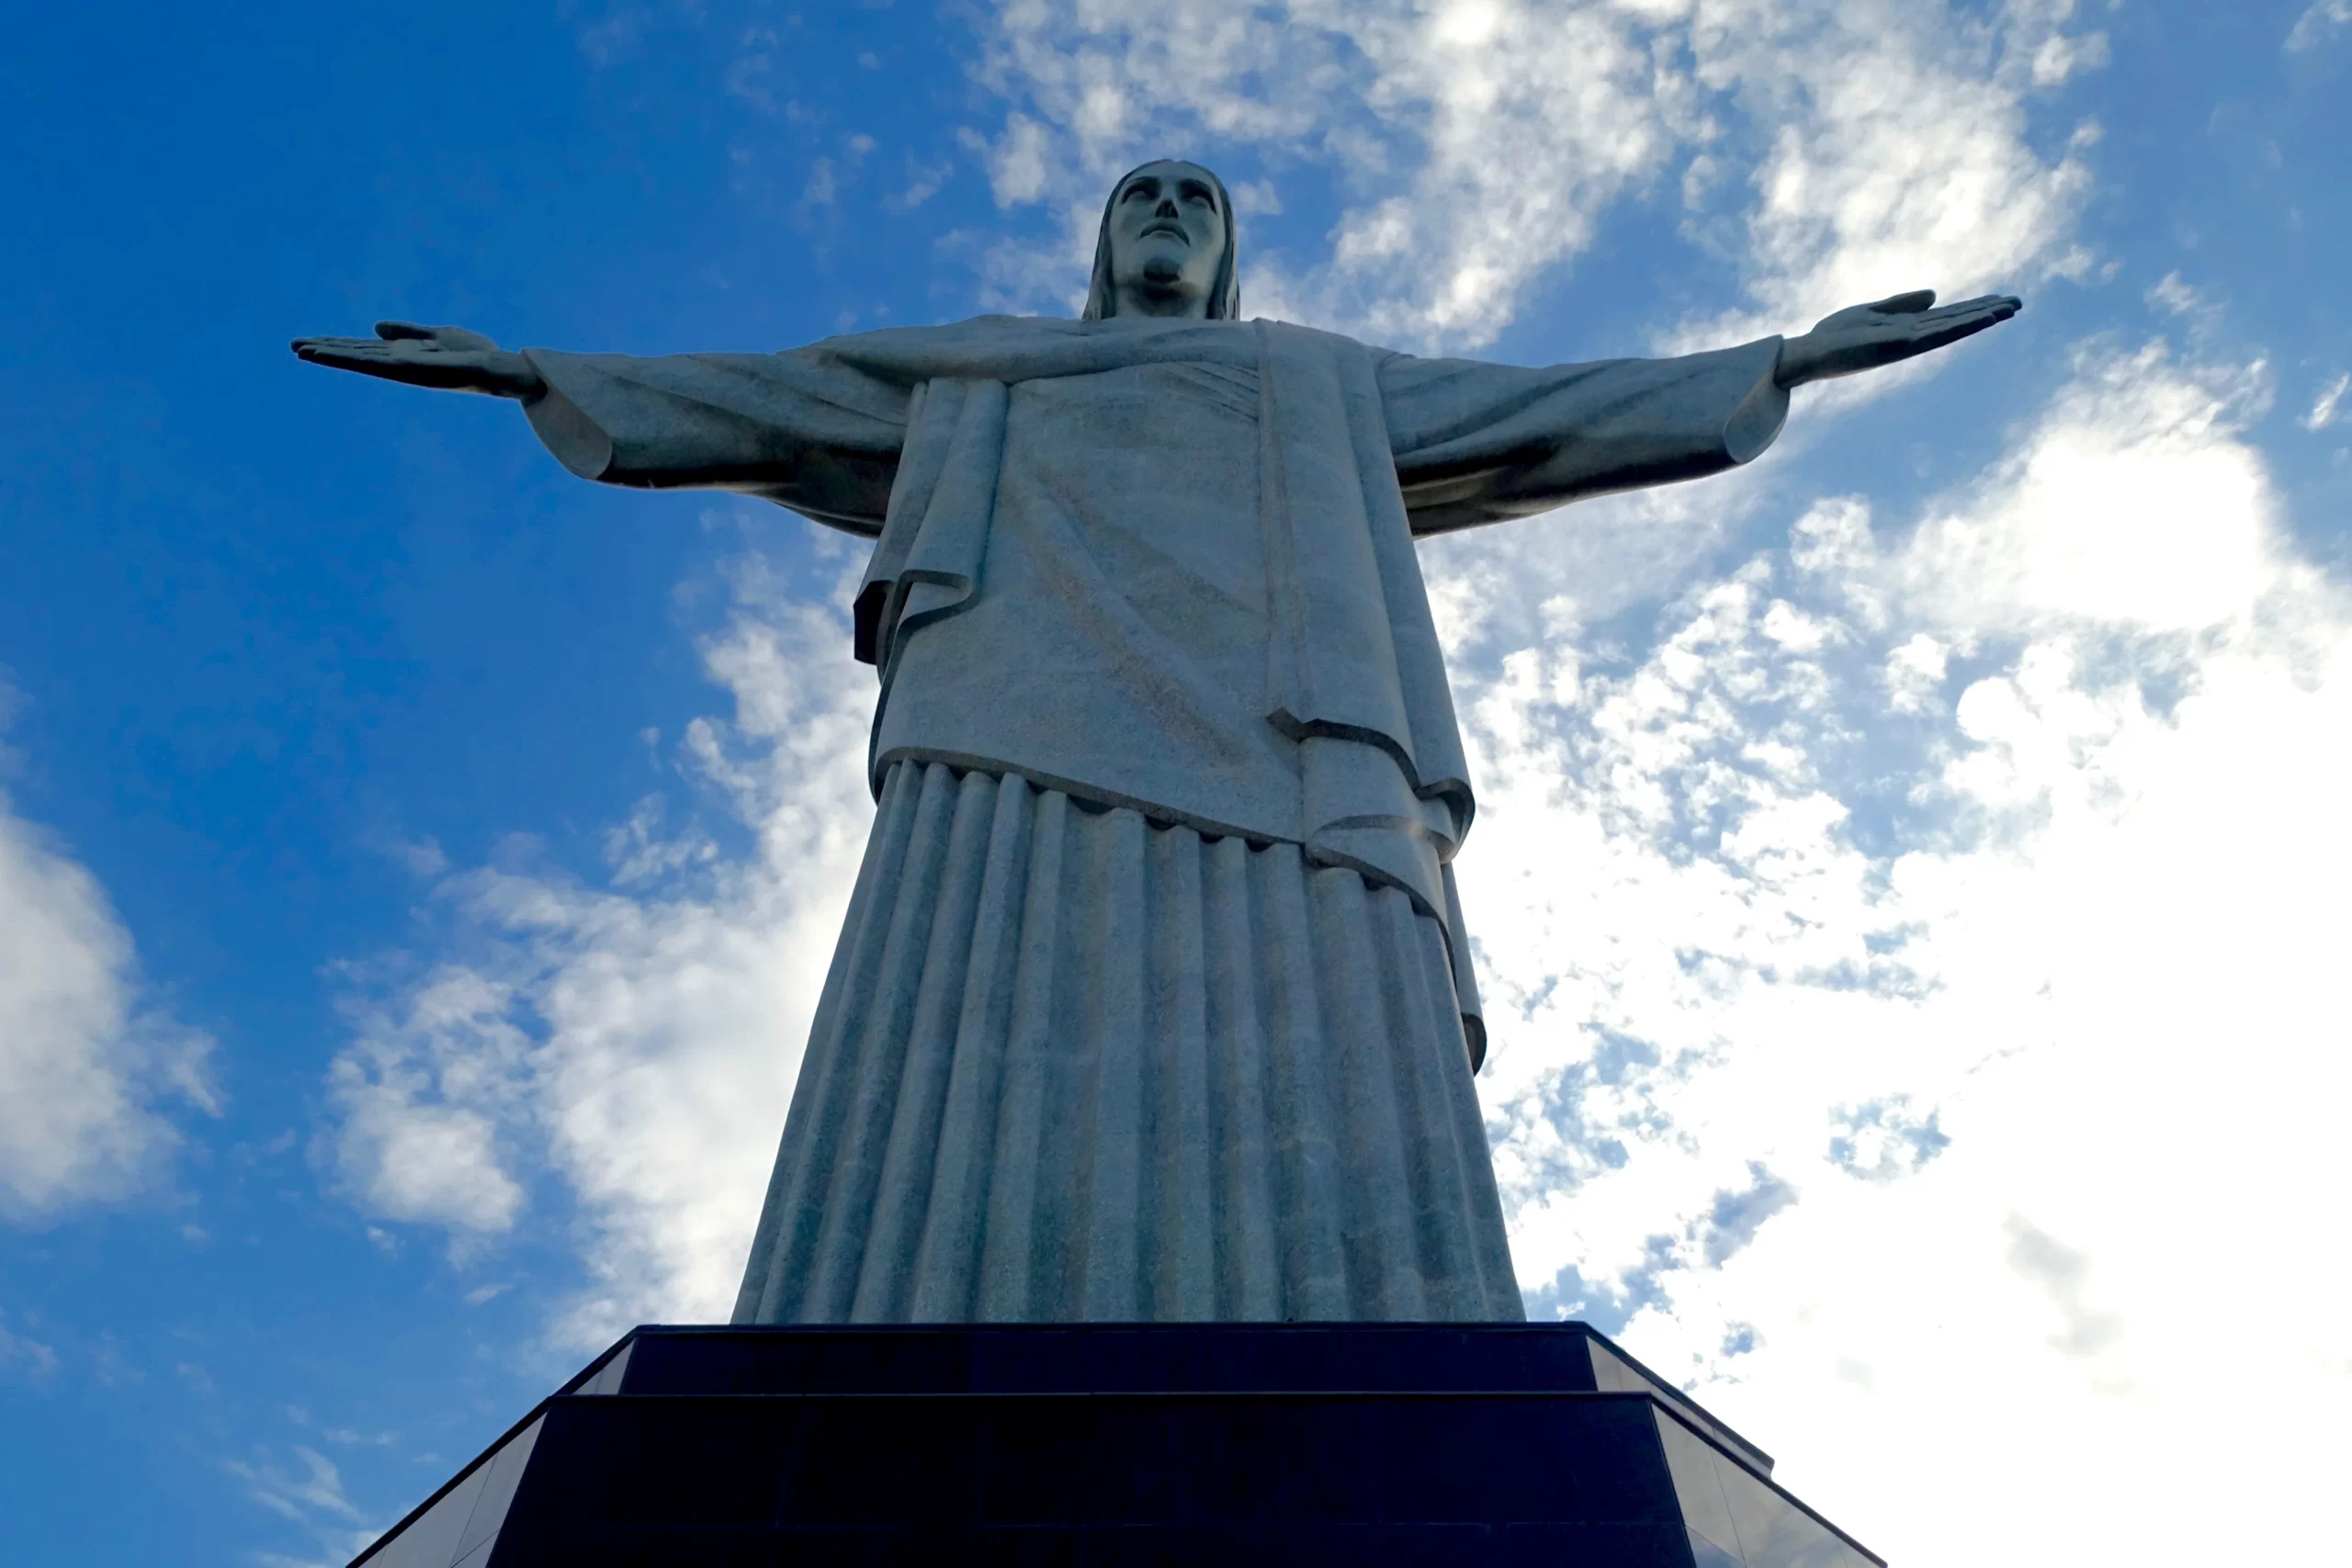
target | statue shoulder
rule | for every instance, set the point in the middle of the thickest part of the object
(1328, 341)
(972, 330)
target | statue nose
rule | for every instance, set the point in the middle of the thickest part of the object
(1166, 209)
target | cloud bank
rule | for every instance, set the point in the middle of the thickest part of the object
(87, 1060)
(1911, 981)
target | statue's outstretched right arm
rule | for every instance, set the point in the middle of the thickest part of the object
(1479, 442)
(802, 429)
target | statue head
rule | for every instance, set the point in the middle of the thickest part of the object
(1166, 247)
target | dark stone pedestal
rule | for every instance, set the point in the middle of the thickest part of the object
(1221, 1445)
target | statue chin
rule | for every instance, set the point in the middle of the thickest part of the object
(1160, 283)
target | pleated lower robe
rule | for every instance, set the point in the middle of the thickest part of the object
(1073, 1065)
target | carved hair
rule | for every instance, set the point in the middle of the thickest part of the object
(1225, 290)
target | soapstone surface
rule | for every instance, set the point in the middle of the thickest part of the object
(1154, 566)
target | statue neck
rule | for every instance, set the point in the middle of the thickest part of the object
(1142, 299)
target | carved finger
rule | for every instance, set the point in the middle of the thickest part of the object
(1909, 304)
(374, 359)
(1953, 314)
(395, 331)
(1953, 332)
(345, 348)
(2002, 305)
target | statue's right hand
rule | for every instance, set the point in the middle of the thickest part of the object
(447, 358)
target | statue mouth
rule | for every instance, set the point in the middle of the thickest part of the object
(1169, 229)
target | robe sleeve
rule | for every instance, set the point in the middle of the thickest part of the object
(803, 429)
(1479, 442)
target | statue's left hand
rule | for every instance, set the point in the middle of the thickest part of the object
(1863, 337)
(450, 358)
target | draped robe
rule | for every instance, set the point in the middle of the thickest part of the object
(1170, 787)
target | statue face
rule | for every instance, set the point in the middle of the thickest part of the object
(1167, 240)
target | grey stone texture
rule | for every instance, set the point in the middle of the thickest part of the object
(1076, 1065)
(1157, 665)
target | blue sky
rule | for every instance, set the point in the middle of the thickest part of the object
(1911, 871)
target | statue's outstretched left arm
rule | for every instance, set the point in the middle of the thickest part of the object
(1477, 443)
(803, 429)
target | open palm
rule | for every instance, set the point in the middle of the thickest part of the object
(451, 358)
(1863, 337)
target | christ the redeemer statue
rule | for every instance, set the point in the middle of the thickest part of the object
(1154, 1001)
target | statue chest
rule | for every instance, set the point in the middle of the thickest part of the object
(1152, 472)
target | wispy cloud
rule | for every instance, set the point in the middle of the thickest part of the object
(308, 1492)
(1476, 146)
(632, 1046)
(2319, 25)
(24, 1355)
(2330, 400)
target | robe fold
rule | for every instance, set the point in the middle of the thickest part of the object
(1165, 568)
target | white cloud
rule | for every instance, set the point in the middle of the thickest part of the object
(2126, 507)
(923, 181)
(24, 1354)
(1981, 940)
(422, 1096)
(633, 1047)
(1902, 156)
(317, 1489)
(308, 1494)
(2174, 297)
(2318, 25)
(2324, 406)
(85, 1058)
(1475, 145)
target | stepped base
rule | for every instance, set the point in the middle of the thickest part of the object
(1080, 1445)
